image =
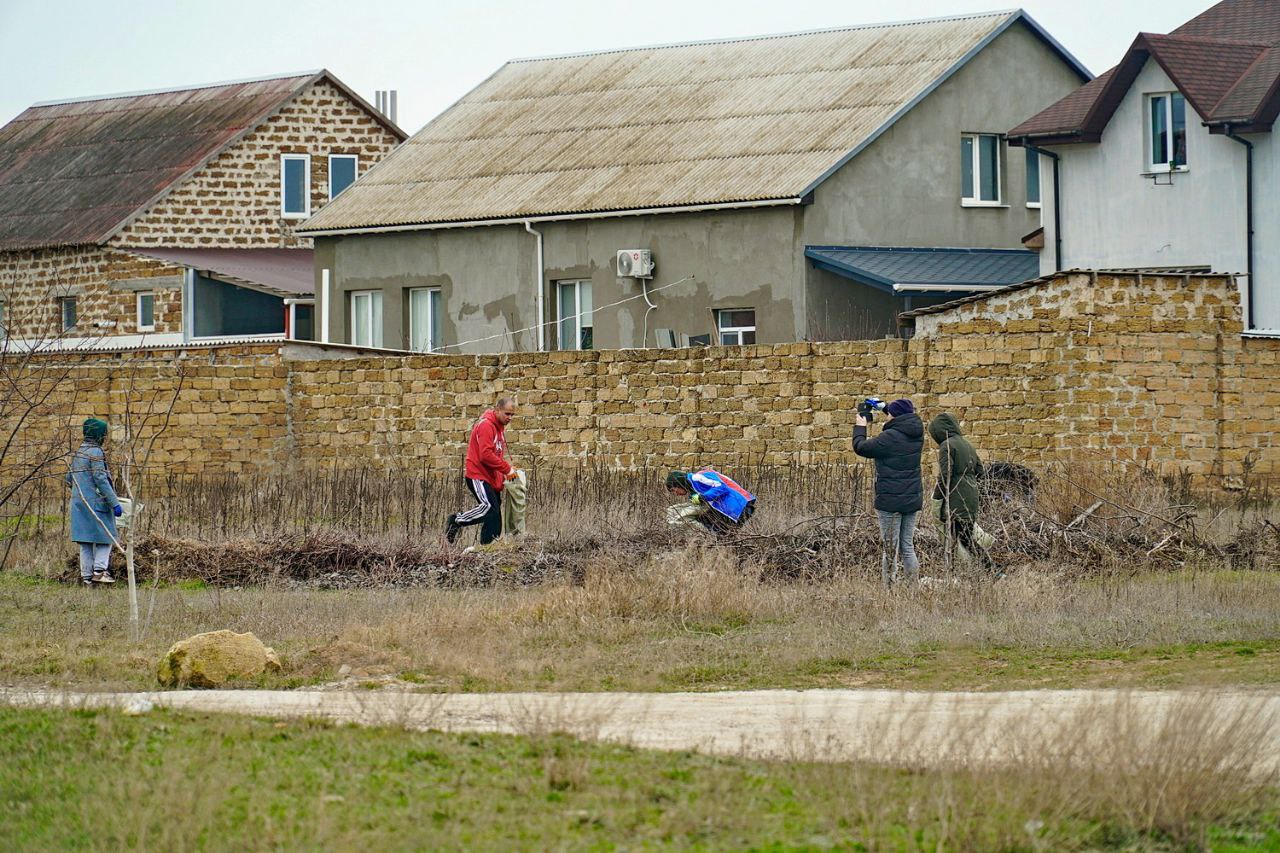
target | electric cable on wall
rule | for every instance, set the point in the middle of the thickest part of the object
(644, 294)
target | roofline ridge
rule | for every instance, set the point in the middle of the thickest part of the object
(997, 13)
(171, 90)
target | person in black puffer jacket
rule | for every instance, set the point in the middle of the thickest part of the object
(899, 492)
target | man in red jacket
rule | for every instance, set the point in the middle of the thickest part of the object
(486, 471)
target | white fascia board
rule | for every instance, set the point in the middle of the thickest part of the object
(950, 288)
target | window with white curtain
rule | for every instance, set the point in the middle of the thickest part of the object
(366, 318)
(980, 169)
(425, 319)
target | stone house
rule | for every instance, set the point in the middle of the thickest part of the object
(802, 186)
(1166, 160)
(165, 217)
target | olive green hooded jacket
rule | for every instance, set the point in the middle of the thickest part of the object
(958, 469)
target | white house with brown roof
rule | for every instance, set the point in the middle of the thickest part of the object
(160, 217)
(1168, 160)
(790, 187)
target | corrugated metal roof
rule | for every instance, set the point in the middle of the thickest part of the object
(74, 172)
(913, 269)
(661, 127)
(286, 272)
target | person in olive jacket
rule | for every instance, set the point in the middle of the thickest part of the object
(899, 493)
(959, 469)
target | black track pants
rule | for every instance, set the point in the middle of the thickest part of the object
(487, 511)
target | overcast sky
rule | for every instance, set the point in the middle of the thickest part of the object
(433, 52)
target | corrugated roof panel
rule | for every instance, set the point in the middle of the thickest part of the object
(720, 122)
(957, 269)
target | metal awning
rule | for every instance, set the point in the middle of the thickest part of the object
(288, 273)
(936, 272)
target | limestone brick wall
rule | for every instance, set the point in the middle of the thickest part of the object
(1127, 368)
(223, 410)
(31, 282)
(1121, 369)
(1251, 409)
(234, 201)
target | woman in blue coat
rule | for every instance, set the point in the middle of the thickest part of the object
(94, 505)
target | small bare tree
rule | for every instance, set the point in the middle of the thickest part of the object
(42, 383)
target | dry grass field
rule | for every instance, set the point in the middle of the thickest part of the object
(1112, 582)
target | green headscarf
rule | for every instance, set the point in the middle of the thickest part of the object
(95, 430)
(679, 480)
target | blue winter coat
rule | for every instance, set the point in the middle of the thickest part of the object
(721, 494)
(90, 481)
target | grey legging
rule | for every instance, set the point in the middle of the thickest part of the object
(897, 538)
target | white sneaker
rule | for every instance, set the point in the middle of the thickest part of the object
(103, 577)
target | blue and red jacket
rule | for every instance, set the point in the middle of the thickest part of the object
(720, 493)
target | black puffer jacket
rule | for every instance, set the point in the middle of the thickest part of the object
(896, 451)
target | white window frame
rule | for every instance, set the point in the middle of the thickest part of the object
(976, 163)
(375, 317)
(1034, 205)
(137, 305)
(355, 172)
(62, 312)
(1148, 133)
(293, 319)
(722, 330)
(306, 186)
(576, 284)
(432, 344)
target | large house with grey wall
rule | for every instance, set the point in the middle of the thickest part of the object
(782, 188)
(1169, 160)
(155, 218)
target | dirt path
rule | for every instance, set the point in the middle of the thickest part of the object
(899, 727)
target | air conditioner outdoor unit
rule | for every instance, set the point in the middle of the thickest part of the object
(635, 263)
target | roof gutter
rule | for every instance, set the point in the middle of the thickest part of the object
(1057, 199)
(562, 217)
(957, 287)
(1248, 204)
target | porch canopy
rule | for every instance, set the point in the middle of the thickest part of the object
(909, 272)
(287, 273)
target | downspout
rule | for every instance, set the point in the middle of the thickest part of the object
(326, 297)
(1057, 201)
(1248, 205)
(541, 300)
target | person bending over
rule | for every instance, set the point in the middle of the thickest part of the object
(715, 501)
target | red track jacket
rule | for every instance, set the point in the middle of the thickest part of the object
(486, 452)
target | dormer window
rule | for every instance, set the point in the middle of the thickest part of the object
(1167, 132)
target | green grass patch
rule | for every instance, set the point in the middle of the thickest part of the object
(169, 781)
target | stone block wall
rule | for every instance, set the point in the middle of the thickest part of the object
(234, 200)
(31, 283)
(1120, 369)
(198, 411)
